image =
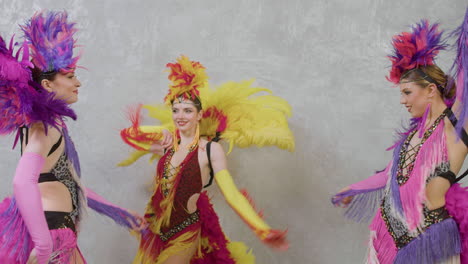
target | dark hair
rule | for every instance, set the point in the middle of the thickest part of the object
(196, 103)
(38, 75)
(425, 75)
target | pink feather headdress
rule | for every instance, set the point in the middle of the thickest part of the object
(415, 49)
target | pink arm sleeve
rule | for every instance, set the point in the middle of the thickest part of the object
(28, 199)
(377, 180)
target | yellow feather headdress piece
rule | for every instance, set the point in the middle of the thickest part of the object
(187, 78)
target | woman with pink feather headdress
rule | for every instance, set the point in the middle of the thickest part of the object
(39, 223)
(422, 212)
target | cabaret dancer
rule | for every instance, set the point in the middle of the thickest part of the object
(39, 223)
(419, 211)
(183, 227)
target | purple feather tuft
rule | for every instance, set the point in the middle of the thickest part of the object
(50, 36)
(461, 72)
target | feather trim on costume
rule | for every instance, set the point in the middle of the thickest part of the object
(372, 256)
(13, 227)
(22, 101)
(215, 246)
(50, 36)
(461, 72)
(382, 248)
(457, 206)
(438, 243)
(414, 49)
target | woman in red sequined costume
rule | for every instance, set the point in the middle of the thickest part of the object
(183, 228)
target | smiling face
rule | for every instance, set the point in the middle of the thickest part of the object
(64, 85)
(185, 115)
(415, 98)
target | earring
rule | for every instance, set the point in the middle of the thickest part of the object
(195, 140)
(175, 136)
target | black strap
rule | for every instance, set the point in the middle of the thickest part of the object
(21, 138)
(449, 176)
(464, 137)
(55, 146)
(26, 135)
(208, 152)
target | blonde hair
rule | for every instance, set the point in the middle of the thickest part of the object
(445, 84)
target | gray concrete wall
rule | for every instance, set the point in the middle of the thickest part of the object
(326, 57)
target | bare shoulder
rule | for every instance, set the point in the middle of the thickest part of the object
(217, 149)
(41, 139)
(202, 143)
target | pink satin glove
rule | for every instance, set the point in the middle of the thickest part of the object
(28, 199)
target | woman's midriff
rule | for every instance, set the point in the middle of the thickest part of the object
(436, 189)
(55, 197)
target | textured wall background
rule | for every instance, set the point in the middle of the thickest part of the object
(326, 57)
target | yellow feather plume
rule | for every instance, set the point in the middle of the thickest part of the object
(238, 112)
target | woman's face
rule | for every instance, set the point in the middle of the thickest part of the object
(185, 115)
(415, 98)
(65, 86)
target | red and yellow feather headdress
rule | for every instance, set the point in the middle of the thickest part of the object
(187, 78)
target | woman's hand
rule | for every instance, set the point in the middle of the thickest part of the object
(345, 201)
(160, 145)
(32, 257)
(167, 140)
(276, 239)
(141, 222)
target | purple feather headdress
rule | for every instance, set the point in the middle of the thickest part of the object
(22, 101)
(461, 71)
(50, 37)
(414, 49)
